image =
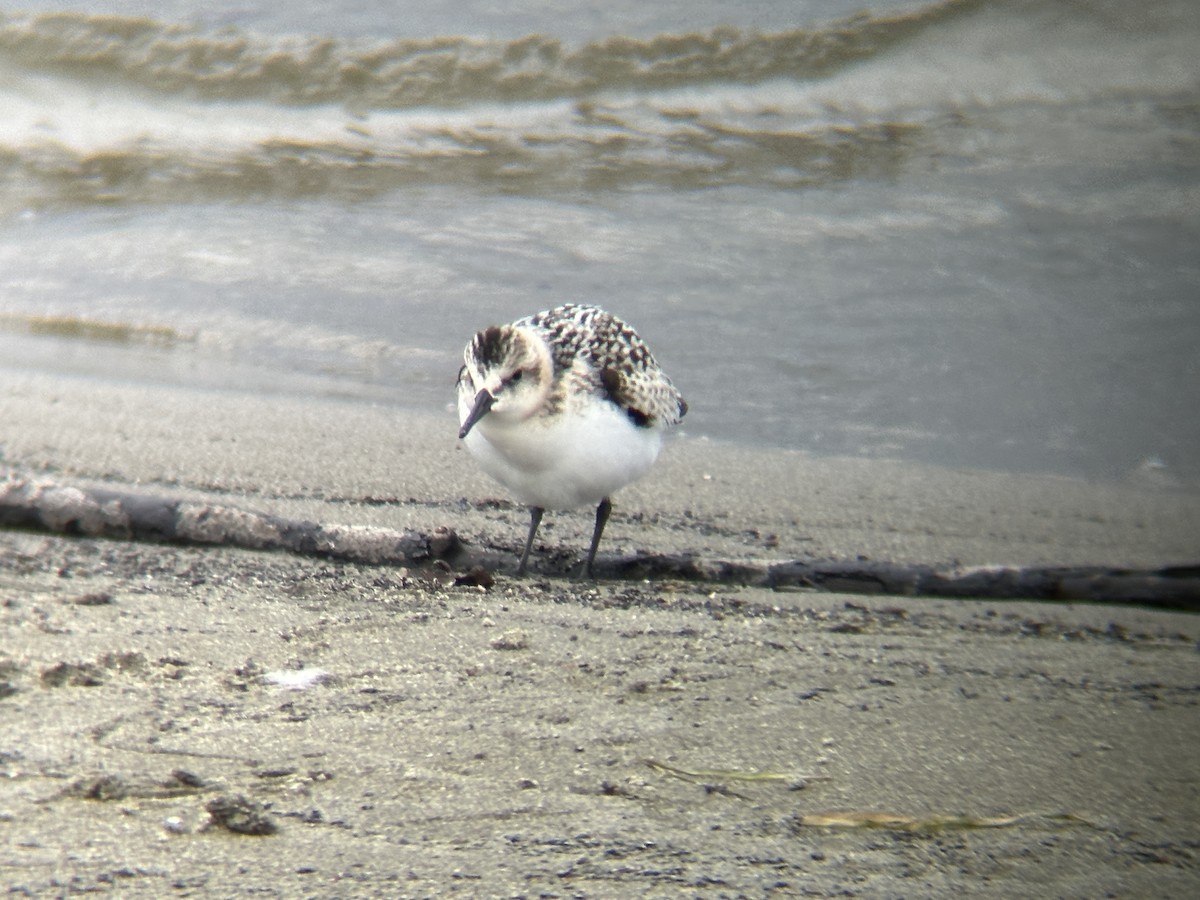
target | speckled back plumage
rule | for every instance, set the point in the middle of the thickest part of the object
(595, 352)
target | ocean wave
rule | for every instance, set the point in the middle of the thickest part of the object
(55, 176)
(101, 109)
(445, 71)
(126, 110)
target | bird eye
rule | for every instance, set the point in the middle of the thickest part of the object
(515, 377)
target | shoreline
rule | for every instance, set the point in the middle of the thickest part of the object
(358, 465)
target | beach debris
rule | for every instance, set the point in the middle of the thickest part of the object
(240, 815)
(712, 780)
(278, 772)
(91, 674)
(513, 639)
(443, 542)
(476, 576)
(89, 329)
(113, 786)
(898, 822)
(9, 671)
(182, 778)
(95, 598)
(73, 675)
(613, 789)
(297, 679)
(106, 787)
(174, 825)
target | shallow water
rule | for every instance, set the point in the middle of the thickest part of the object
(962, 233)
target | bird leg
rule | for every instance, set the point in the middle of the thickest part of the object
(602, 512)
(535, 519)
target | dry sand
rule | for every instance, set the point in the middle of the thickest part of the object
(400, 736)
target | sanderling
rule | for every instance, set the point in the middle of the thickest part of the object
(563, 408)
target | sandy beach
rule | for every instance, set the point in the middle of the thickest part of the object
(206, 721)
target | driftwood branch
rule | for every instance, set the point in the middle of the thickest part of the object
(47, 506)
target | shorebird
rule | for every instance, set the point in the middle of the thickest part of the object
(563, 408)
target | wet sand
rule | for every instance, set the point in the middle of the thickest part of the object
(398, 735)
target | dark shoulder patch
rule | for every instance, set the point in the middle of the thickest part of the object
(614, 390)
(639, 418)
(610, 380)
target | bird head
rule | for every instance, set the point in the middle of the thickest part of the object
(507, 374)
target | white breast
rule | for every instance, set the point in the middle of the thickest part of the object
(565, 461)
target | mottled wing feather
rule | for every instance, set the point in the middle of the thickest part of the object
(620, 365)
